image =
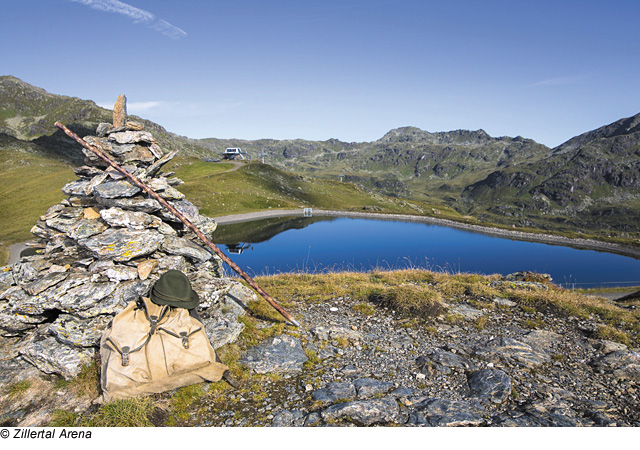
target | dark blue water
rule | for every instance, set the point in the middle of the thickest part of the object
(364, 245)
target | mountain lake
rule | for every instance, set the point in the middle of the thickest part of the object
(328, 244)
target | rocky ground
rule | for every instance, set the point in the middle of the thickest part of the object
(349, 366)
(484, 368)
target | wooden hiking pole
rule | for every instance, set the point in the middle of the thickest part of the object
(135, 180)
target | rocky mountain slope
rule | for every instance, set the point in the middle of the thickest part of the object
(592, 181)
(27, 113)
(406, 161)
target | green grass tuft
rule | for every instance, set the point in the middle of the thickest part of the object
(18, 388)
(130, 412)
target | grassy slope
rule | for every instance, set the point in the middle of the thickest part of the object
(256, 187)
(29, 185)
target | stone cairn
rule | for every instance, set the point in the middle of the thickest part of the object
(102, 247)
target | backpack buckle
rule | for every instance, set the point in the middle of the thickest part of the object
(154, 323)
(185, 339)
(125, 355)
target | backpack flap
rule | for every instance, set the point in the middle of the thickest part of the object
(184, 345)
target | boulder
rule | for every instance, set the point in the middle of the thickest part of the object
(368, 387)
(513, 351)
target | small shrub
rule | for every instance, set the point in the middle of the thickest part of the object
(453, 319)
(409, 300)
(87, 383)
(313, 359)
(409, 323)
(364, 308)
(534, 324)
(533, 277)
(481, 322)
(559, 357)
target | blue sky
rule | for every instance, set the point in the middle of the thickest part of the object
(345, 69)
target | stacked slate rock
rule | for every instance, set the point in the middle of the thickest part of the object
(100, 248)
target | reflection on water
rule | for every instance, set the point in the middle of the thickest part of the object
(238, 248)
(322, 244)
(261, 230)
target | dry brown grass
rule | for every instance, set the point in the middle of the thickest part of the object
(420, 293)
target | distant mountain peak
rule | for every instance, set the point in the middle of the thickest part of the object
(404, 134)
(626, 126)
(411, 134)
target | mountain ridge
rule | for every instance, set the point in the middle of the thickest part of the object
(592, 178)
(590, 183)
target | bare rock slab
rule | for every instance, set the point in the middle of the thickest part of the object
(437, 412)
(185, 247)
(115, 189)
(365, 412)
(51, 357)
(369, 387)
(513, 351)
(491, 384)
(86, 228)
(622, 364)
(280, 354)
(76, 332)
(335, 391)
(123, 245)
(134, 220)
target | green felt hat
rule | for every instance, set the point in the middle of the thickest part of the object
(174, 289)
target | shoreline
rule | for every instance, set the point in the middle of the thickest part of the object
(586, 244)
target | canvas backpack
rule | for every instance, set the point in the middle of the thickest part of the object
(151, 349)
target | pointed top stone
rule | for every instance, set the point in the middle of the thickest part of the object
(120, 112)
